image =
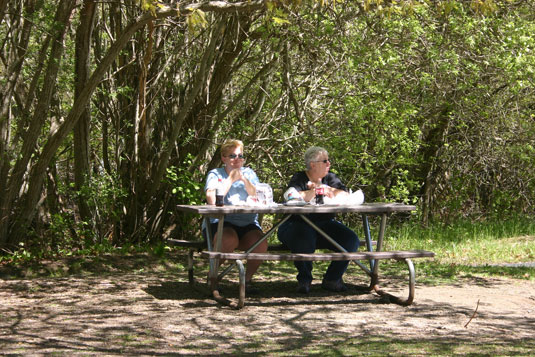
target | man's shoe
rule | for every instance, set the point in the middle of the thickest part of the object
(250, 289)
(336, 286)
(303, 287)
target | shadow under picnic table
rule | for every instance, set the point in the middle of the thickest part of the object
(270, 294)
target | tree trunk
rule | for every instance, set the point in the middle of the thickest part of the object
(434, 140)
(3, 5)
(82, 170)
(15, 57)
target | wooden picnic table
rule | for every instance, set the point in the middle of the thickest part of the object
(383, 210)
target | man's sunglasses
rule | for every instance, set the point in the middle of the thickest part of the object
(233, 156)
(324, 161)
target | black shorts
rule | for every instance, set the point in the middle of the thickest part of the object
(241, 231)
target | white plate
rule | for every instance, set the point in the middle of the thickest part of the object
(296, 203)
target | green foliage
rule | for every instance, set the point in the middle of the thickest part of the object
(185, 184)
(103, 192)
(399, 103)
(421, 102)
(60, 225)
(104, 195)
(65, 234)
(21, 255)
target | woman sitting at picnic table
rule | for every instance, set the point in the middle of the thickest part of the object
(300, 237)
(240, 231)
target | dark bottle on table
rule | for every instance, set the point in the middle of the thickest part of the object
(319, 195)
(219, 196)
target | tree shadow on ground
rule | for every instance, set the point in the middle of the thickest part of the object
(156, 312)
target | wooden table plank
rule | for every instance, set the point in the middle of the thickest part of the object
(369, 208)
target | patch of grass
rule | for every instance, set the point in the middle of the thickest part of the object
(467, 242)
(470, 247)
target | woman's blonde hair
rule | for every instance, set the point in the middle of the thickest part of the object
(229, 145)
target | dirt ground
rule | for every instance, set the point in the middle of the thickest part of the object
(139, 306)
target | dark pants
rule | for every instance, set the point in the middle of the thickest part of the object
(300, 237)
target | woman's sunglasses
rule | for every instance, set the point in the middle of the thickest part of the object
(233, 156)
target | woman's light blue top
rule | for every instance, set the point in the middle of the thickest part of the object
(236, 192)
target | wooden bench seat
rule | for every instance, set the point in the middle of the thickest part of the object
(284, 255)
(201, 245)
(405, 255)
(397, 255)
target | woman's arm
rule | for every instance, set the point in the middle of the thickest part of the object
(210, 196)
(237, 175)
(335, 186)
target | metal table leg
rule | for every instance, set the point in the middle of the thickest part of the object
(333, 242)
(367, 236)
(395, 299)
(214, 263)
(264, 237)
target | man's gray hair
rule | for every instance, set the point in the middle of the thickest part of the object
(312, 154)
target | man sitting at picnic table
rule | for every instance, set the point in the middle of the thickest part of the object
(300, 237)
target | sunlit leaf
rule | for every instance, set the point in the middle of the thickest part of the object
(280, 21)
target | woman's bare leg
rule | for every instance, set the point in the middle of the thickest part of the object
(246, 242)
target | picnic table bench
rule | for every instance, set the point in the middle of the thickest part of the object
(383, 210)
(197, 246)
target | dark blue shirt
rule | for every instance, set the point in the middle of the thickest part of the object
(299, 182)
